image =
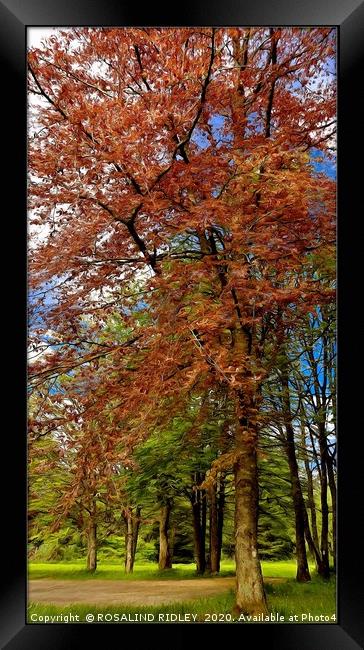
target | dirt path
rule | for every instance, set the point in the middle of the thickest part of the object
(121, 592)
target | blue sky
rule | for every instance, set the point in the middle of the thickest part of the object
(323, 164)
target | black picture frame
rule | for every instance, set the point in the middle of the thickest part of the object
(15, 17)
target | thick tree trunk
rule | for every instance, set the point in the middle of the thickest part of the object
(250, 596)
(165, 560)
(172, 538)
(92, 547)
(214, 535)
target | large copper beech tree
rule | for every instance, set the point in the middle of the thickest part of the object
(170, 172)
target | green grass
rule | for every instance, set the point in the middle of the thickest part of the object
(148, 571)
(282, 569)
(317, 598)
(286, 599)
(115, 571)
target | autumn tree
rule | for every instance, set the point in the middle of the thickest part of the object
(180, 157)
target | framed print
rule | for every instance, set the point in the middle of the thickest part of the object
(187, 457)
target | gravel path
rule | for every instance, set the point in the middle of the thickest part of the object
(120, 592)
(130, 592)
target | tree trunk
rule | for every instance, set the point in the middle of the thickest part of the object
(312, 546)
(324, 569)
(172, 538)
(199, 526)
(129, 563)
(203, 500)
(214, 536)
(310, 492)
(220, 517)
(321, 414)
(250, 596)
(312, 507)
(165, 560)
(332, 486)
(92, 547)
(132, 523)
(313, 543)
(197, 545)
(303, 572)
(216, 519)
(136, 525)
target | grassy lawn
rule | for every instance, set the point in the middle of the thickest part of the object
(115, 571)
(287, 599)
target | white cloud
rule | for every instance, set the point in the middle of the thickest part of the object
(35, 35)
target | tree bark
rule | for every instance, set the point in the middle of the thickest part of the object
(220, 516)
(197, 546)
(203, 500)
(132, 522)
(129, 561)
(250, 595)
(321, 414)
(303, 572)
(214, 536)
(314, 544)
(136, 525)
(324, 569)
(216, 519)
(310, 492)
(172, 538)
(92, 547)
(165, 559)
(199, 526)
(332, 486)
